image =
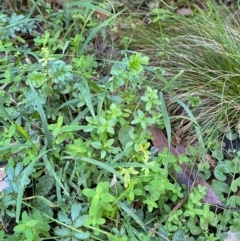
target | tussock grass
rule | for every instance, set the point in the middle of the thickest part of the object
(206, 48)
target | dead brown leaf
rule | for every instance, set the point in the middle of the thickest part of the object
(188, 176)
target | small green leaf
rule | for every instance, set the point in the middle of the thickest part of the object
(19, 228)
(219, 172)
(29, 234)
(89, 192)
(100, 221)
(32, 223)
(235, 184)
(60, 121)
(95, 201)
(107, 197)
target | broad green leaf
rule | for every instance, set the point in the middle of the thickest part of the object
(221, 189)
(123, 134)
(235, 184)
(219, 172)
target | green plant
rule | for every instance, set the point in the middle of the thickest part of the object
(70, 230)
(32, 228)
(76, 133)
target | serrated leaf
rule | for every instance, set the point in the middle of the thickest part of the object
(81, 236)
(178, 236)
(44, 185)
(163, 233)
(47, 202)
(75, 211)
(80, 220)
(64, 218)
(62, 231)
(18, 169)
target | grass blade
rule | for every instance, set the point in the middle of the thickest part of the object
(166, 119)
(42, 116)
(85, 91)
(95, 30)
(26, 172)
(130, 213)
(100, 164)
(53, 173)
(197, 127)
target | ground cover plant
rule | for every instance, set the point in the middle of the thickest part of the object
(76, 134)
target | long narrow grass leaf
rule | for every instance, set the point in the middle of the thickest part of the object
(166, 119)
(53, 173)
(131, 214)
(86, 95)
(197, 128)
(22, 145)
(22, 132)
(170, 83)
(99, 164)
(96, 29)
(26, 172)
(42, 116)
